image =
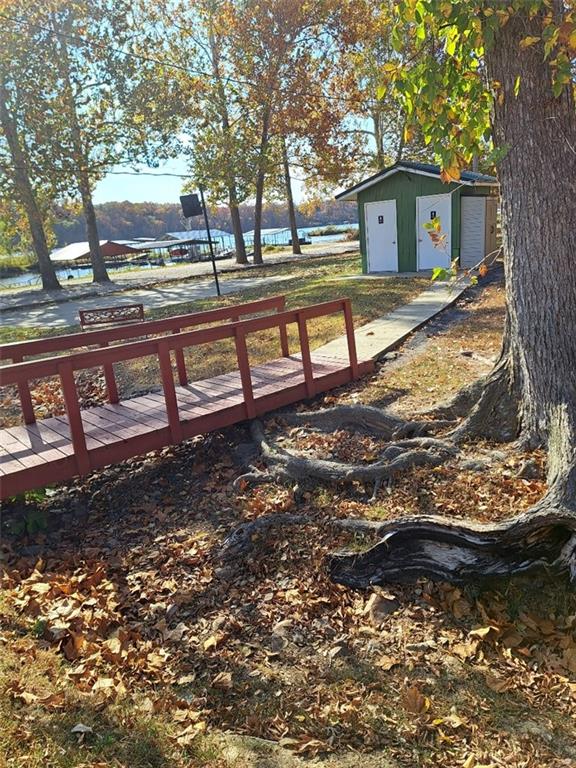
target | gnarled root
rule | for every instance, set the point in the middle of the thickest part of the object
(397, 457)
(435, 548)
(241, 540)
(364, 419)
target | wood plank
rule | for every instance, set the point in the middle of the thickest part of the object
(41, 438)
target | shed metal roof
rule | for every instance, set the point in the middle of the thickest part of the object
(81, 250)
(470, 178)
(196, 234)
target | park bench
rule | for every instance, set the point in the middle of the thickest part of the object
(125, 313)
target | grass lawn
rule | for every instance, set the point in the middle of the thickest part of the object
(313, 282)
(116, 612)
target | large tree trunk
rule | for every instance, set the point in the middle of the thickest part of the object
(538, 187)
(26, 195)
(260, 177)
(290, 200)
(99, 270)
(81, 162)
(239, 244)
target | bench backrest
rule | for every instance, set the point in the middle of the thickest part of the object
(125, 313)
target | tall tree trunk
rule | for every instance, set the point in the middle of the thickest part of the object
(378, 139)
(239, 244)
(290, 200)
(538, 187)
(81, 163)
(260, 177)
(99, 270)
(26, 194)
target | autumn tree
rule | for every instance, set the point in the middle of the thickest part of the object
(483, 71)
(282, 48)
(26, 178)
(97, 106)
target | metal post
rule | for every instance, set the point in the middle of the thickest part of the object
(209, 240)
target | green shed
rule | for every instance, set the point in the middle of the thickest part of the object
(396, 203)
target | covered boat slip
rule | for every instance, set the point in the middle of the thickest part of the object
(60, 447)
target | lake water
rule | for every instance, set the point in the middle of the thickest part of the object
(32, 279)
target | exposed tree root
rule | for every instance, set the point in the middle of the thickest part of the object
(240, 542)
(464, 551)
(364, 419)
(397, 457)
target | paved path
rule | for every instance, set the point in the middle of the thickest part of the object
(66, 313)
(141, 278)
(383, 334)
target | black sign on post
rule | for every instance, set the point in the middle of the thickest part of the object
(192, 206)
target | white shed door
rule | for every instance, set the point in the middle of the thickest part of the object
(381, 236)
(429, 207)
(472, 231)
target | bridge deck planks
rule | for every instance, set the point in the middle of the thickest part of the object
(41, 453)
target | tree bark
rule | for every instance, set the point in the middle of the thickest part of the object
(26, 194)
(538, 187)
(81, 163)
(233, 203)
(239, 244)
(260, 178)
(290, 200)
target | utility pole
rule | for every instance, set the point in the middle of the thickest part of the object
(209, 241)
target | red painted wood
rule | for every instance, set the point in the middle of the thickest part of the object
(350, 337)
(169, 391)
(74, 416)
(181, 364)
(244, 368)
(306, 359)
(25, 398)
(113, 432)
(110, 379)
(149, 327)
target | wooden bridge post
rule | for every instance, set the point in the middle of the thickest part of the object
(110, 379)
(306, 359)
(244, 368)
(74, 414)
(169, 392)
(25, 397)
(283, 332)
(181, 364)
(351, 338)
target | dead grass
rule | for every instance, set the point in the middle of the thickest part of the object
(450, 360)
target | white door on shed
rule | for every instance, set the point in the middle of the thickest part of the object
(472, 231)
(429, 207)
(381, 236)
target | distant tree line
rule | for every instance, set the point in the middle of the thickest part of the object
(125, 220)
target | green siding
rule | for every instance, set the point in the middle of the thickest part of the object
(405, 187)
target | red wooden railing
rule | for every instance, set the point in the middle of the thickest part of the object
(163, 347)
(18, 351)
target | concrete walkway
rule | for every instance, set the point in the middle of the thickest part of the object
(383, 334)
(66, 313)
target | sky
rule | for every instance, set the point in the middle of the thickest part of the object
(143, 188)
(139, 188)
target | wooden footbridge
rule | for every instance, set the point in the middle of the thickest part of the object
(55, 449)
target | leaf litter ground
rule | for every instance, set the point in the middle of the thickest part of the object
(118, 617)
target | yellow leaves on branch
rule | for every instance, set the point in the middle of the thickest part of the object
(529, 41)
